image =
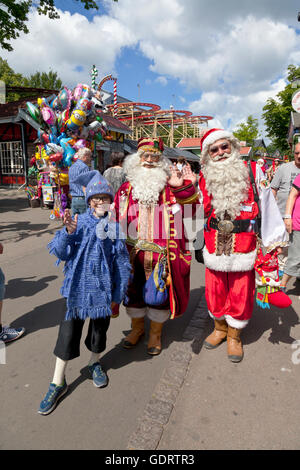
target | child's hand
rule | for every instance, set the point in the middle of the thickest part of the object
(115, 309)
(71, 224)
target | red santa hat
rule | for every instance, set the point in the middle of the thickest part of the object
(212, 135)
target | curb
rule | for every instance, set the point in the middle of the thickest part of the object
(157, 413)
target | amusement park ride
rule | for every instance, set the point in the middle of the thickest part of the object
(147, 119)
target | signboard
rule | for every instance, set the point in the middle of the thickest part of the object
(296, 101)
(2, 92)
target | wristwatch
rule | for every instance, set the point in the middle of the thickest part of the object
(287, 216)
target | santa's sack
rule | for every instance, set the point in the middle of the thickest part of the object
(155, 291)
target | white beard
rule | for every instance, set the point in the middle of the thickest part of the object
(228, 183)
(147, 183)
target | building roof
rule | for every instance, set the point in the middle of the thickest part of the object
(245, 151)
(189, 143)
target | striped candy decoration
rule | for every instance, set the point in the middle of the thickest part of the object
(115, 98)
(94, 74)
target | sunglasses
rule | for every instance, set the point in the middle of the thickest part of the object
(215, 149)
(101, 198)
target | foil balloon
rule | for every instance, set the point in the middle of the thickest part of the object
(82, 91)
(48, 115)
(55, 157)
(77, 120)
(63, 100)
(33, 111)
(68, 151)
(85, 105)
(81, 143)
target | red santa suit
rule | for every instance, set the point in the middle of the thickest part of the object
(229, 256)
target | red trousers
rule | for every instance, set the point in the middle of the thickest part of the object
(230, 294)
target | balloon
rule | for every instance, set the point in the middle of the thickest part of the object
(82, 91)
(43, 137)
(63, 100)
(79, 144)
(68, 151)
(33, 111)
(55, 157)
(48, 115)
(77, 120)
(85, 105)
(53, 148)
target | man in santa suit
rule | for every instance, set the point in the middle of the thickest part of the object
(149, 207)
(234, 208)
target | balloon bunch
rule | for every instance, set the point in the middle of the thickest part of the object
(67, 123)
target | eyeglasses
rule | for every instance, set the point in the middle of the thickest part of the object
(154, 156)
(101, 198)
(214, 150)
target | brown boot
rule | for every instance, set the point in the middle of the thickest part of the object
(217, 336)
(154, 343)
(138, 330)
(234, 345)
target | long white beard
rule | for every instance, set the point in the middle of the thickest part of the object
(228, 183)
(147, 183)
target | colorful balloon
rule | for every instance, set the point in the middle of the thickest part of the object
(48, 115)
(77, 120)
(33, 111)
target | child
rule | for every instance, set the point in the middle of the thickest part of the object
(96, 272)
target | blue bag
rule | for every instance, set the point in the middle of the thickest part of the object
(155, 291)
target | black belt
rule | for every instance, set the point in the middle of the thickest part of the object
(234, 226)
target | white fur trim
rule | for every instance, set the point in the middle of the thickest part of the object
(234, 263)
(239, 324)
(160, 316)
(133, 312)
(214, 136)
(216, 318)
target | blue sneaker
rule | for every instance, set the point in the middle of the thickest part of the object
(11, 334)
(54, 393)
(100, 378)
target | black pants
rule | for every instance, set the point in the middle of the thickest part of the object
(69, 336)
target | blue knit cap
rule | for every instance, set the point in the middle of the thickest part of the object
(94, 183)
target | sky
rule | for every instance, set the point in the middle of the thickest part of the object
(218, 58)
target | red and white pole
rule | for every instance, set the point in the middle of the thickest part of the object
(115, 98)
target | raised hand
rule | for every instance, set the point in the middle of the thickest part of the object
(188, 174)
(176, 178)
(71, 224)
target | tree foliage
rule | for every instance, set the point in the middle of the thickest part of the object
(49, 81)
(14, 16)
(247, 131)
(277, 112)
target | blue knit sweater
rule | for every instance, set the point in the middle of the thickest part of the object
(97, 266)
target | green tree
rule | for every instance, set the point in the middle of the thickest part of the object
(49, 80)
(277, 113)
(247, 131)
(8, 75)
(14, 15)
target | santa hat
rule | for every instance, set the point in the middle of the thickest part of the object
(148, 144)
(94, 183)
(212, 136)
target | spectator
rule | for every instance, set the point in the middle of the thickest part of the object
(115, 175)
(81, 166)
(273, 169)
(181, 163)
(292, 223)
(283, 179)
(7, 334)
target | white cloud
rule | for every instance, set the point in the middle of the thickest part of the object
(161, 80)
(69, 42)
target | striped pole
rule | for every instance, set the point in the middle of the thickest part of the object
(94, 73)
(115, 98)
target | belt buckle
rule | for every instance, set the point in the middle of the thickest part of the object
(225, 226)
